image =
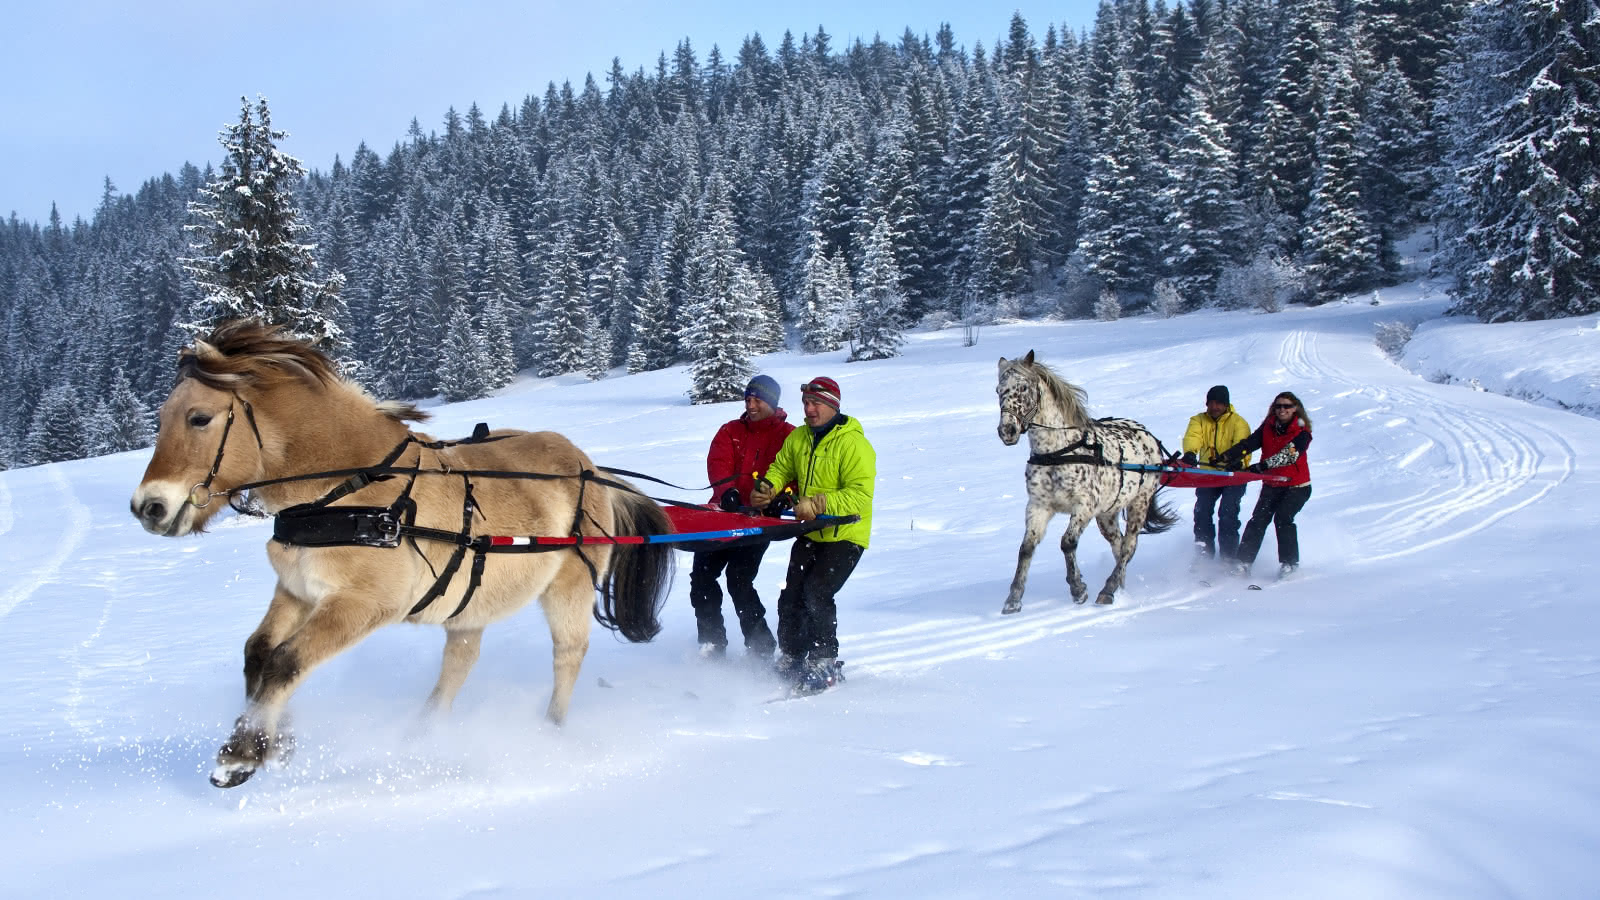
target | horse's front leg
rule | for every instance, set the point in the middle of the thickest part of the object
(1036, 518)
(460, 654)
(337, 623)
(1069, 549)
(284, 615)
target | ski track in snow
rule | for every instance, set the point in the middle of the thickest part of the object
(1496, 469)
(935, 643)
(77, 521)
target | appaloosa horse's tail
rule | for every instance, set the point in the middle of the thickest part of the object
(633, 590)
(1159, 518)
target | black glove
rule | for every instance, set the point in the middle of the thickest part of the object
(1257, 468)
(1189, 459)
(1231, 462)
(729, 500)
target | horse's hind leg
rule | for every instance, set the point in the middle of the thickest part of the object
(1036, 518)
(567, 604)
(339, 621)
(1122, 546)
(460, 654)
(1069, 549)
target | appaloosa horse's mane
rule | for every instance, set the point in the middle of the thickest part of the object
(1068, 398)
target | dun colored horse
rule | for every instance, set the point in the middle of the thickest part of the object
(1077, 468)
(251, 405)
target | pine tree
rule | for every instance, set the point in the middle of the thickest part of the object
(820, 301)
(715, 335)
(879, 300)
(131, 423)
(57, 432)
(1120, 216)
(250, 262)
(653, 342)
(1395, 142)
(1340, 244)
(1204, 215)
(1534, 251)
(462, 360)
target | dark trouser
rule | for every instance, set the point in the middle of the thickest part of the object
(742, 564)
(1226, 530)
(1277, 505)
(808, 619)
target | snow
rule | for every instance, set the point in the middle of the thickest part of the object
(1551, 362)
(1413, 715)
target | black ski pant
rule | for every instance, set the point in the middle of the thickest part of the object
(741, 563)
(1277, 505)
(808, 618)
(1225, 500)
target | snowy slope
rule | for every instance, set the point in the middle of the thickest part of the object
(1414, 716)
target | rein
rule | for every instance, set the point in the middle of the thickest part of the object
(319, 524)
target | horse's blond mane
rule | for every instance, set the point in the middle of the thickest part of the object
(245, 352)
(1068, 397)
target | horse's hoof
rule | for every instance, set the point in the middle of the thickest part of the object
(231, 775)
(1010, 608)
(1080, 600)
(1104, 600)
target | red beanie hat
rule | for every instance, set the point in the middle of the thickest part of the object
(822, 390)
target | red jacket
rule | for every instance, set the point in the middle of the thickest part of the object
(742, 448)
(1299, 472)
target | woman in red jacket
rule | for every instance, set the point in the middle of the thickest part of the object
(741, 448)
(1282, 439)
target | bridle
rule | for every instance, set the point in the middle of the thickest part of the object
(202, 489)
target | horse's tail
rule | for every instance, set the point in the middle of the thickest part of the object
(635, 585)
(1160, 516)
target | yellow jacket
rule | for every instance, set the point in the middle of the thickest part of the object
(1207, 437)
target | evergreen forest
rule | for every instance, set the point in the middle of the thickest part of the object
(714, 206)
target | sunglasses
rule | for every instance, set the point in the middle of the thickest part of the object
(1283, 406)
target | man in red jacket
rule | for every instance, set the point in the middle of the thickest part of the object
(741, 448)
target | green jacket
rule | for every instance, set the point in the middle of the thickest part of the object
(842, 467)
(1207, 437)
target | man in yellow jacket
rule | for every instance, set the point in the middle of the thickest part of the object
(834, 469)
(1210, 433)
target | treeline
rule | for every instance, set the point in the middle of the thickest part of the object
(1171, 157)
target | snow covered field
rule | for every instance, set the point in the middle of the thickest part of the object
(1413, 716)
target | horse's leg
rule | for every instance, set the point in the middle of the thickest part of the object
(338, 622)
(1069, 549)
(284, 615)
(567, 604)
(1036, 518)
(460, 654)
(1122, 547)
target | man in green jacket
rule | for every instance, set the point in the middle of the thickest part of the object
(1210, 433)
(834, 469)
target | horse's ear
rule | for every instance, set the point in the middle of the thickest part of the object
(1003, 364)
(1028, 360)
(205, 352)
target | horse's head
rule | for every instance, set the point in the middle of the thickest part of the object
(209, 441)
(1019, 397)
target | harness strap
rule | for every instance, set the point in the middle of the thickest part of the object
(462, 540)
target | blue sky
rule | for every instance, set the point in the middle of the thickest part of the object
(131, 90)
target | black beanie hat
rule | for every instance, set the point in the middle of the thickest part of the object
(1218, 394)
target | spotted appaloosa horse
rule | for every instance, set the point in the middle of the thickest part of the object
(1074, 469)
(251, 405)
